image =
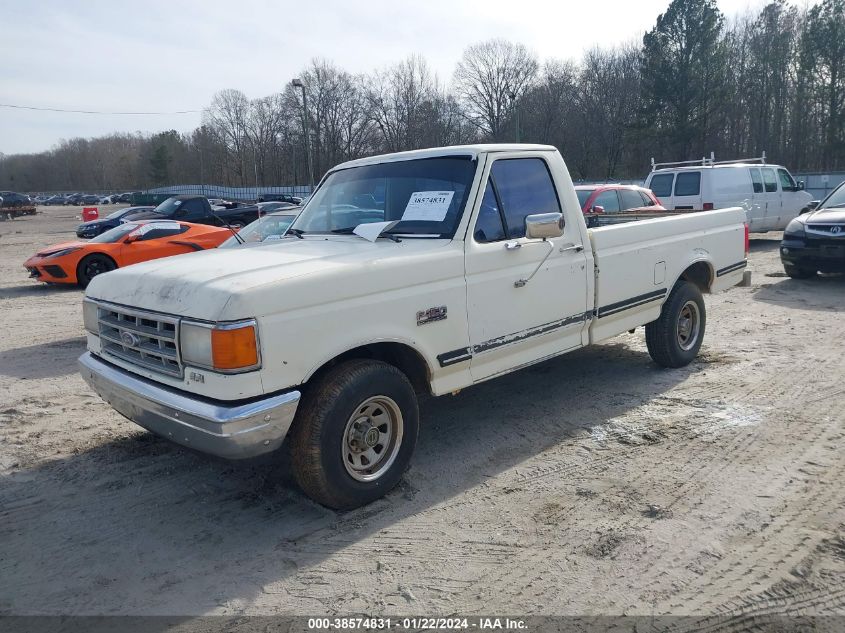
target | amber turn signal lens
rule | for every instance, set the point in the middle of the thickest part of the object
(234, 348)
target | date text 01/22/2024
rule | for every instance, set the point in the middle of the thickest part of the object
(417, 623)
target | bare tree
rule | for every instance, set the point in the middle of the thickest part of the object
(227, 118)
(490, 78)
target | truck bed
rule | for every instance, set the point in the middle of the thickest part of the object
(638, 262)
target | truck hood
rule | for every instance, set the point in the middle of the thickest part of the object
(236, 283)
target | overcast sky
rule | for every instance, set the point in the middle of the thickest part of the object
(172, 55)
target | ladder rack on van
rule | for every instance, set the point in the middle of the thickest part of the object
(707, 162)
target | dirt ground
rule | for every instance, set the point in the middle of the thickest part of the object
(595, 483)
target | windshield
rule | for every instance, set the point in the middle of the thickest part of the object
(583, 195)
(269, 227)
(426, 196)
(835, 199)
(113, 235)
(168, 207)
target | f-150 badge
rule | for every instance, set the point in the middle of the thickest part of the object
(431, 315)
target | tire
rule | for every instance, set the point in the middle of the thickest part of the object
(91, 266)
(798, 273)
(673, 340)
(332, 440)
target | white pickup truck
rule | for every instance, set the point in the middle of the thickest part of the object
(407, 274)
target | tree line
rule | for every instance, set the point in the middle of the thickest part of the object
(696, 82)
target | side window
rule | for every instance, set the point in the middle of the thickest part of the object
(756, 180)
(609, 200)
(769, 180)
(688, 183)
(525, 187)
(630, 199)
(191, 209)
(158, 233)
(489, 226)
(661, 184)
(786, 181)
(647, 202)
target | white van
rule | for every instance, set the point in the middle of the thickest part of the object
(768, 193)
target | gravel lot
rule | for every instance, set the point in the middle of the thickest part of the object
(595, 483)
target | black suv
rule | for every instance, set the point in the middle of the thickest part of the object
(815, 242)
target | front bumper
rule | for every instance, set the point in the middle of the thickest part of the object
(235, 432)
(827, 256)
(50, 273)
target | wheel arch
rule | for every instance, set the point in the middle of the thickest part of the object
(699, 273)
(403, 356)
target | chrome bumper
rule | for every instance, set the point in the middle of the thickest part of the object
(235, 432)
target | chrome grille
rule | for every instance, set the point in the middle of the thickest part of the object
(145, 339)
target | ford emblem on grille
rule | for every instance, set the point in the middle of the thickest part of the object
(129, 339)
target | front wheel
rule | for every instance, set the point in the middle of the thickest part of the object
(91, 266)
(798, 273)
(354, 434)
(673, 340)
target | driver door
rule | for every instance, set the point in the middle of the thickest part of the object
(512, 323)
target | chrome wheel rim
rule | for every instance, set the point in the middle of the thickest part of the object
(689, 324)
(372, 438)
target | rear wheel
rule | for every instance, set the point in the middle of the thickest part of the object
(91, 266)
(673, 340)
(354, 434)
(797, 272)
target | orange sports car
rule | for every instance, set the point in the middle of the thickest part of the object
(125, 244)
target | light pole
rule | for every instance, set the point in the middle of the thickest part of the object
(516, 111)
(297, 83)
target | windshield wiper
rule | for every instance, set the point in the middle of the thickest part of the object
(224, 223)
(350, 230)
(296, 233)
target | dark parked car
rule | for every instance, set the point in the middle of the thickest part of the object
(196, 209)
(13, 199)
(54, 200)
(96, 227)
(279, 197)
(88, 199)
(270, 207)
(815, 242)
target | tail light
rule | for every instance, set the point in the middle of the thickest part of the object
(747, 241)
(708, 206)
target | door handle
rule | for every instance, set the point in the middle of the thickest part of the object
(572, 247)
(512, 246)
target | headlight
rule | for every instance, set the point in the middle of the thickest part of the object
(226, 347)
(90, 316)
(794, 230)
(64, 251)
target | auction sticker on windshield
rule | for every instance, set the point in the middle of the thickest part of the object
(428, 206)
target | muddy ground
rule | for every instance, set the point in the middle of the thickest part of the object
(596, 483)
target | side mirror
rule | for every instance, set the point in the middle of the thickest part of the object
(598, 208)
(800, 185)
(133, 238)
(541, 226)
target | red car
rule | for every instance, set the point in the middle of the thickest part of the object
(597, 199)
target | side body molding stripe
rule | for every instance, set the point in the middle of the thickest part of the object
(619, 306)
(731, 268)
